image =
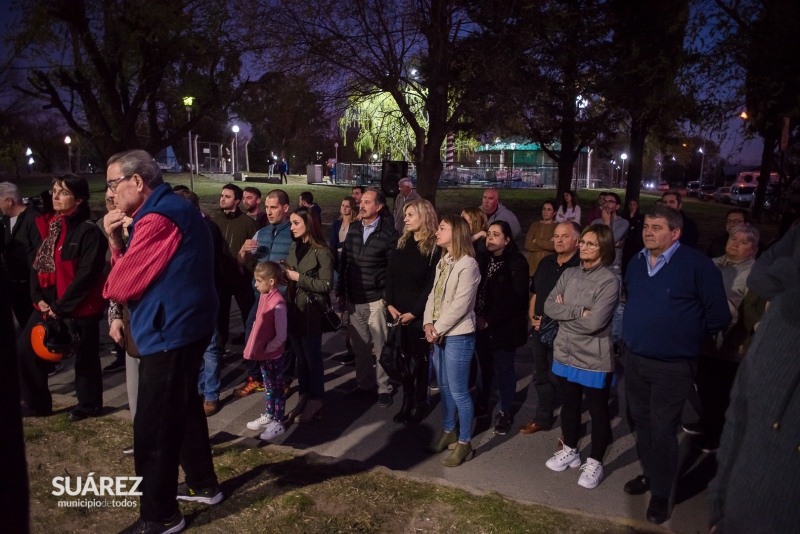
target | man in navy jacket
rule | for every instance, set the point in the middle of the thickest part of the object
(675, 299)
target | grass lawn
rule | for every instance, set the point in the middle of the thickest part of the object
(273, 489)
(525, 203)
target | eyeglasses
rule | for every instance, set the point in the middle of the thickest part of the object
(612, 201)
(60, 193)
(587, 244)
(113, 184)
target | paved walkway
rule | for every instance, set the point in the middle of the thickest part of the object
(511, 465)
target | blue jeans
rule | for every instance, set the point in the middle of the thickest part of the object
(208, 382)
(309, 366)
(451, 359)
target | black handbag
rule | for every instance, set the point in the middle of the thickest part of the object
(392, 356)
(331, 322)
(548, 329)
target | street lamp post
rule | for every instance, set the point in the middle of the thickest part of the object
(236, 150)
(702, 161)
(336, 153)
(187, 101)
(68, 142)
(623, 157)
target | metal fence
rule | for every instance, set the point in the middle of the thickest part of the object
(369, 174)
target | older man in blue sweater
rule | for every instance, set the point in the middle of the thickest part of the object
(675, 299)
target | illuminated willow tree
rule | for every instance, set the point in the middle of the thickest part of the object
(382, 129)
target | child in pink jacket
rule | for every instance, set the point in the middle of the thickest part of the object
(265, 344)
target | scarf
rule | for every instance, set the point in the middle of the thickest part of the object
(45, 260)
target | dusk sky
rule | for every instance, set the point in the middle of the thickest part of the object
(750, 153)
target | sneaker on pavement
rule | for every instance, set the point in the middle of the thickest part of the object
(591, 474)
(709, 445)
(566, 457)
(248, 388)
(176, 524)
(502, 423)
(384, 400)
(211, 495)
(56, 369)
(211, 407)
(693, 429)
(113, 367)
(260, 423)
(273, 430)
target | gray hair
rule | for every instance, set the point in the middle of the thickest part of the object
(406, 181)
(9, 190)
(671, 215)
(139, 162)
(751, 232)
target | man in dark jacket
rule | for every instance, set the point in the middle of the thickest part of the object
(362, 272)
(236, 228)
(543, 281)
(22, 240)
(690, 233)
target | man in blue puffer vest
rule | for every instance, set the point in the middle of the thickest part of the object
(165, 274)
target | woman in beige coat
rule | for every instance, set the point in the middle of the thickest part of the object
(449, 323)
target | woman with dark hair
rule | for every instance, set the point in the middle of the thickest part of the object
(583, 302)
(501, 318)
(569, 211)
(68, 283)
(634, 242)
(309, 273)
(409, 278)
(449, 323)
(539, 241)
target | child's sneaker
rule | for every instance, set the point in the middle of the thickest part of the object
(273, 430)
(260, 423)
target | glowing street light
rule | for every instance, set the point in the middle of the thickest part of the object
(29, 152)
(744, 115)
(68, 142)
(236, 152)
(187, 101)
(623, 157)
(30, 160)
(702, 161)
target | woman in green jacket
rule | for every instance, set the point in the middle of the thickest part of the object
(309, 275)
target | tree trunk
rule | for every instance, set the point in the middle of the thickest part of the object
(767, 153)
(429, 169)
(639, 130)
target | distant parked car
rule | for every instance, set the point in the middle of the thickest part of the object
(663, 186)
(706, 192)
(723, 195)
(742, 195)
(693, 189)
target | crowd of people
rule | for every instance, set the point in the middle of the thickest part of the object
(454, 296)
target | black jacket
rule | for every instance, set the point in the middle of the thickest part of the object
(409, 279)
(21, 245)
(506, 301)
(362, 266)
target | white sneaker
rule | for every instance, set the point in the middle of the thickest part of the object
(260, 423)
(591, 474)
(564, 458)
(273, 430)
